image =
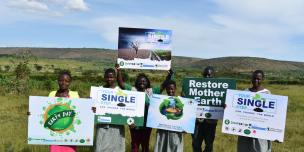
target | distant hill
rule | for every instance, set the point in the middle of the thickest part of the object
(246, 64)
(226, 64)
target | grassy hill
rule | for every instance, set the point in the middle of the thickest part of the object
(245, 64)
(232, 64)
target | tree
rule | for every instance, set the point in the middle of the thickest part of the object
(22, 70)
(135, 45)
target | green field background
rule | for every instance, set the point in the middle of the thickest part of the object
(13, 109)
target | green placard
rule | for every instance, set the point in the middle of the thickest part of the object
(208, 91)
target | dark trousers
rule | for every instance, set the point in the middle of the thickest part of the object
(204, 131)
(140, 137)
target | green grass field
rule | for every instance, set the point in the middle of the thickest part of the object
(13, 120)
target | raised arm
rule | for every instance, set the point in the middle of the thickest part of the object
(169, 77)
(120, 81)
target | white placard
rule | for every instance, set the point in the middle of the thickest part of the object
(257, 115)
(172, 113)
(60, 121)
(116, 106)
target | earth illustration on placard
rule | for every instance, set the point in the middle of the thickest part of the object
(60, 117)
(172, 108)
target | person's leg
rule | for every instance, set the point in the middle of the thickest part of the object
(135, 139)
(145, 139)
(197, 137)
(209, 129)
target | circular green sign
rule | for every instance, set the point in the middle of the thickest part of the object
(59, 117)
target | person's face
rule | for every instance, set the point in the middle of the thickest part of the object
(64, 82)
(257, 80)
(171, 90)
(208, 73)
(143, 82)
(109, 79)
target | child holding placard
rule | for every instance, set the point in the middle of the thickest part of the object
(169, 141)
(246, 144)
(110, 138)
(141, 135)
(64, 81)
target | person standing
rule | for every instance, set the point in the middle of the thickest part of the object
(64, 81)
(109, 137)
(140, 136)
(166, 140)
(248, 144)
(204, 128)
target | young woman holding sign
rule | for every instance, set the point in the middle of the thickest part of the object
(110, 138)
(246, 144)
(64, 81)
(169, 141)
(141, 135)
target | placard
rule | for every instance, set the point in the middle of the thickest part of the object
(144, 48)
(172, 113)
(60, 121)
(210, 94)
(257, 115)
(116, 106)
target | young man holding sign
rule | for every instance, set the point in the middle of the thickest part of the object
(204, 128)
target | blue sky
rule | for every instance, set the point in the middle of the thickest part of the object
(201, 28)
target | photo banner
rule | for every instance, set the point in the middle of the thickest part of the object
(144, 48)
(60, 121)
(256, 115)
(172, 113)
(210, 94)
(120, 107)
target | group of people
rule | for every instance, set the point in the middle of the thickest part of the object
(111, 138)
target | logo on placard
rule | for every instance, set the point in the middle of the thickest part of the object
(82, 141)
(247, 131)
(121, 63)
(172, 108)
(130, 121)
(208, 115)
(60, 117)
(227, 122)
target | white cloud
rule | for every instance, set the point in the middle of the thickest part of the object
(47, 7)
(78, 5)
(277, 12)
(29, 5)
